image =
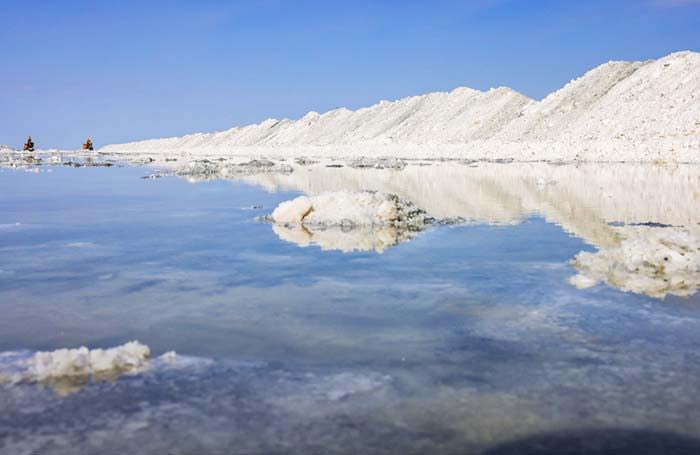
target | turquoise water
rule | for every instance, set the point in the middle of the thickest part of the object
(466, 337)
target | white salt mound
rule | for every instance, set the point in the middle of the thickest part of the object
(654, 262)
(349, 209)
(292, 212)
(84, 361)
(630, 111)
(443, 116)
(348, 220)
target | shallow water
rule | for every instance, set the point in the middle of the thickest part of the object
(463, 337)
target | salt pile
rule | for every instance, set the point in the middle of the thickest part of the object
(449, 116)
(350, 209)
(631, 111)
(655, 262)
(348, 221)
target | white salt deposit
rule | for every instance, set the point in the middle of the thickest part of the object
(447, 116)
(651, 261)
(349, 209)
(620, 111)
(292, 212)
(348, 220)
(85, 362)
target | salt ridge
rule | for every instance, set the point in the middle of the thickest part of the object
(619, 111)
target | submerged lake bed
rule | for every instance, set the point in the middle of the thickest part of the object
(549, 306)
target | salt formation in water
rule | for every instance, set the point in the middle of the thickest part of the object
(632, 111)
(85, 362)
(348, 221)
(377, 163)
(67, 371)
(655, 262)
(206, 169)
(349, 209)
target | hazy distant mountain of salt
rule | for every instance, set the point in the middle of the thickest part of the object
(459, 116)
(632, 111)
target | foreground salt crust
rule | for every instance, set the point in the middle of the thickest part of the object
(619, 111)
(63, 363)
(655, 262)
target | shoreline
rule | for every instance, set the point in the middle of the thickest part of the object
(675, 152)
(686, 154)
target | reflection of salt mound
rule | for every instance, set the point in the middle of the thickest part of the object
(84, 362)
(357, 239)
(348, 221)
(654, 262)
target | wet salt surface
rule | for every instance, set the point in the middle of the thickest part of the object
(460, 338)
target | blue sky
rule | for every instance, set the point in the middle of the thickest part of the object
(129, 70)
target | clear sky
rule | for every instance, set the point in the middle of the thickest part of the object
(129, 70)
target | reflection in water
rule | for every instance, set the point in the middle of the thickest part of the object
(598, 203)
(650, 260)
(583, 199)
(459, 341)
(363, 238)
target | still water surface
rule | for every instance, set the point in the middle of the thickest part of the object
(468, 337)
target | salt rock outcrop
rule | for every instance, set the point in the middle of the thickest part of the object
(348, 220)
(348, 209)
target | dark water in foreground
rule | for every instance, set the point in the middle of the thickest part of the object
(467, 338)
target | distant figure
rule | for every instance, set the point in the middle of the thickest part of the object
(88, 145)
(29, 145)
